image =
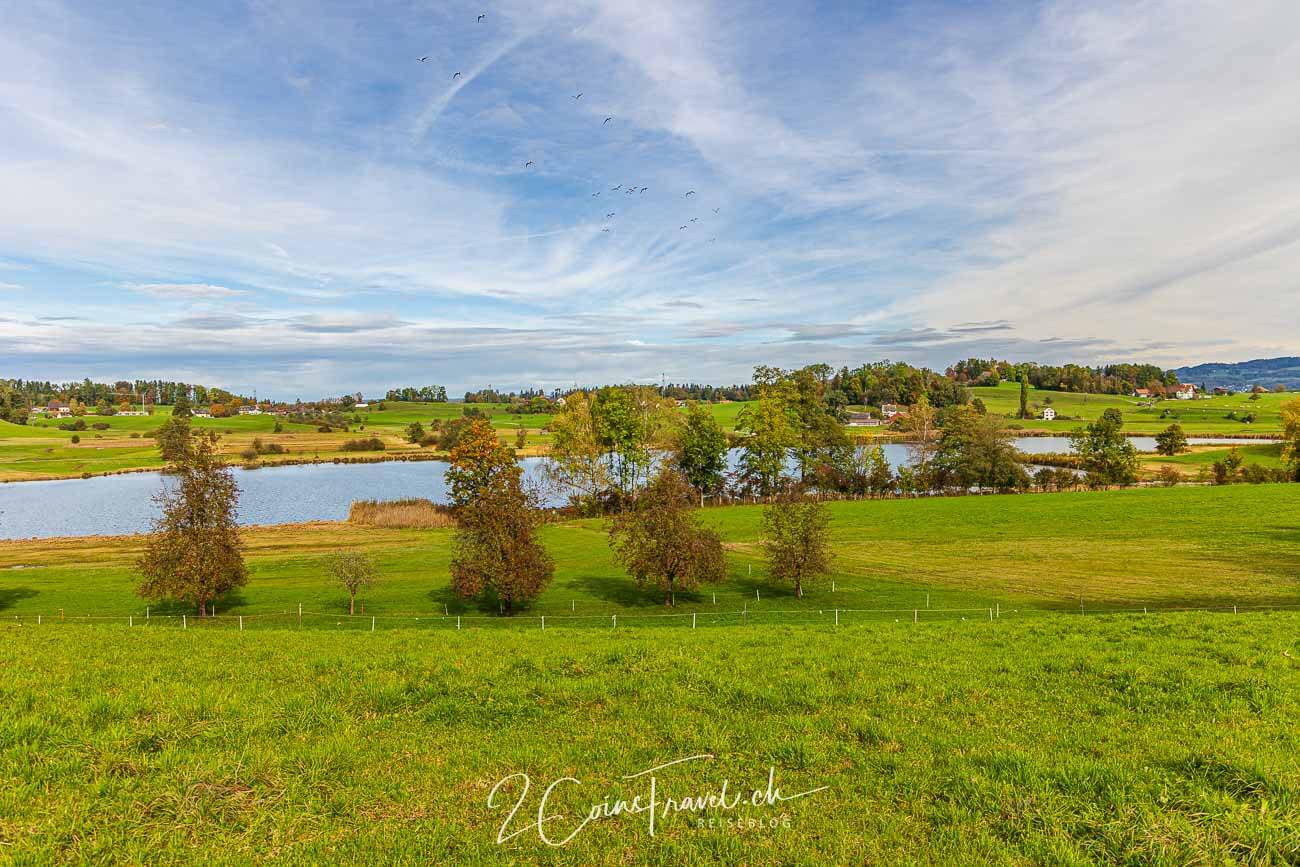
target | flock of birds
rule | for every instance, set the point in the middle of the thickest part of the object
(627, 190)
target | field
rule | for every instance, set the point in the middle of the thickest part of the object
(1198, 417)
(1164, 548)
(1169, 739)
(1050, 731)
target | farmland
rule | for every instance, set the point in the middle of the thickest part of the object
(1070, 727)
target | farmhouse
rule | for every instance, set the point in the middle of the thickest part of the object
(1141, 392)
(862, 419)
(58, 408)
(889, 410)
(1048, 413)
(1183, 392)
(250, 410)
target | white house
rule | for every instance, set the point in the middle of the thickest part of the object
(361, 406)
(1187, 391)
(1048, 413)
(889, 410)
(250, 410)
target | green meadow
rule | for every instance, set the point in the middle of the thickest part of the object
(1064, 725)
(1206, 417)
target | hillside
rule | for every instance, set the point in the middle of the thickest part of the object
(1266, 372)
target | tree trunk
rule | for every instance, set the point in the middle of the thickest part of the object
(668, 598)
(352, 604)
(798, 590)
(203, 608)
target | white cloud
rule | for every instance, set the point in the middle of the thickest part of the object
(11, 287)
(183, 291)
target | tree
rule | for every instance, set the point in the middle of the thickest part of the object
(1291, 434)
(975, 451)
(797, 540)
(182, 408)
(353, 571)
(497, 553)
(920, 426)
(575, 463)
(1171, 441)
(194, 552)
(701, 453)
(659, 542)
(173, 438)
(521, 438)
(769, 434)
(1104, 451)
(414, 432)
(1024, 395)
(478, 462)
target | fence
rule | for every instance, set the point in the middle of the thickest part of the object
(695, 619)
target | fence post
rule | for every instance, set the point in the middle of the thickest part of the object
(615, 626)
(130, 621)
(146, 612)
(837, 617)
(715, 598)
(998, 609)
(372, 623)
(927, 600)
(38, 620)
(914, 614)
(692, 620)
(832, 585)
(543, 622)
(1234, 609)
(241, 623)
(183, 623)
(756, 596)
(458, 621)
(573, 605)
(300, 614)
(990, 614)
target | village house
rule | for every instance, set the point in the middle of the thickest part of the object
(862, 419)
(58, 409)
(1142, 392)
(1048, 414)
(250, 410)
(890, 410)
(1187, 391)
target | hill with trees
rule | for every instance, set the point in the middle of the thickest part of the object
(1267, 373)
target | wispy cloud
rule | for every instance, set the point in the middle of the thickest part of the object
(11, 287)
(184, 291)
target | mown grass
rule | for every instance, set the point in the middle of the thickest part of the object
(1167, 739)
(1177, 547)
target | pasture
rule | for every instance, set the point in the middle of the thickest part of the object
(1053, 732)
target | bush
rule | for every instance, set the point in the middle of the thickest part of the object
(79, 424)
(100, 425)
(365, 444)
(76, 439)
(1169, 476)
(249, 454)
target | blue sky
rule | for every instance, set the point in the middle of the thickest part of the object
(280, 196)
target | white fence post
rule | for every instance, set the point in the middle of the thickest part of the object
(130, 621)
(543, 622)
(300, 614)
(183, 623)
(458, 621)
(692, 620)
(615, 626)
(990, 614)
(241, 623)
(832, 585)
(998, 609)
(372, 623)
(146, 612)
(573, 605)
(837, 617)
(914, 615)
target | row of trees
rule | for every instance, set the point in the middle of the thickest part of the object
(425, 394)
(1107, 379)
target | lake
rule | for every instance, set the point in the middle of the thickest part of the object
(112, 505)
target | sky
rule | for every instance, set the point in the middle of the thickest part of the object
(304, 198)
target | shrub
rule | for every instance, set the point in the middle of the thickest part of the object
(76, 438)
(249, 454)
(100, 425)
(365, 444)
(79, 424)
(1169, 476)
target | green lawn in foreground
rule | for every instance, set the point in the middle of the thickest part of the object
(1185, 546)
(1162, 739)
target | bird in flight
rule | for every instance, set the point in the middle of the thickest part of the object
(481, 17)
(679, 228)
(715, 210)
(597, 193)
(690, 193)
(643, 189)
(610, 214)
(578, 95)
(456, 76)
(606, 120)
(605, 229)
(711, 240)
(619, 187)
(527, 164)
(424, 59)
(695, 219)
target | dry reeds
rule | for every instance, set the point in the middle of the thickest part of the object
(415, 513)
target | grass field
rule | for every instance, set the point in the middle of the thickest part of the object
(1039, 736)
(1168, 739)
(1203, 417)
(1157, 547)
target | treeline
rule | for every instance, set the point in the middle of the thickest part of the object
(1107, 379)
(425, 394)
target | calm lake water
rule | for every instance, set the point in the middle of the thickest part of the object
(110, 505)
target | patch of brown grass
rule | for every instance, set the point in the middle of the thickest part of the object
(415, 513)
